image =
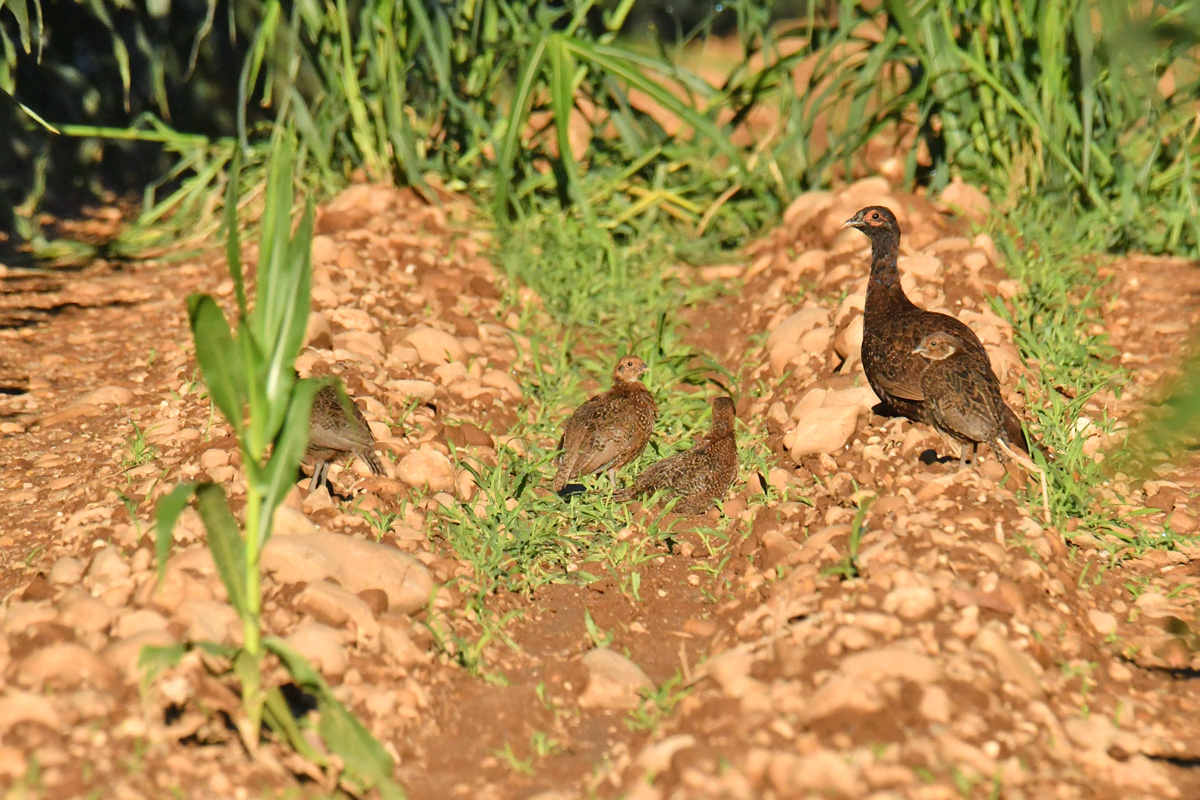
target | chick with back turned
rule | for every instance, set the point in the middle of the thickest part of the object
(962, 401)
(333, 432)
(699, 475)
(610, 429)
(893, 327)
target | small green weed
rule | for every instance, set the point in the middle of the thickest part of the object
(138, 450)
(658, 703)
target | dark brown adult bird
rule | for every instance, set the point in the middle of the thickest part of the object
(610, 429)
(699, 475)
(332, 433)
(893, 327)
(962, 401)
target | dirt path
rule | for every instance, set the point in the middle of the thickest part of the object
(969, 653)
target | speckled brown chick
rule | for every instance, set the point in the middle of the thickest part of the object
(893, 327)
(700, 475)
(962, 400)
(610, 429)
(331, 433)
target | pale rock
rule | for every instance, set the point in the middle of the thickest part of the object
(935, 705)
(426, 468)
(87, 614)
(65, 665)
(922, 266)
(322, 646)
(842, 696)
(499, 379)
(824, 430)
(655, 758)
(806, 207)
(324, 251)
(966, 200)
(795, 326)
(613, 681)
(822, 773)
(210, 620)
(412, 389)
(860, 397)
(399, 646)
(808, 261)
(855, 301)
(123, 655)
(17, 707)
(67, 571)
(107, 569)
(290, 521)
(1012, 664)
(810, 402)
(335, 605)
(107, 396)
(434, 346)
(1102, 621)
(453, 372)
(817, 340)
(848, 342)
(135, 622)
(214, 457)
(975, 260)
(354, 563)
(891, 662)
(911, 602)
(19, 617)
(731, 671)
(783, 355)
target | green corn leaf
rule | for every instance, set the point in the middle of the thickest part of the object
(280, 472)
(293, 295)
(225, 542)
(562, 100)
(513, 126)
(233, 243)
(170, 506)
(278, 716)
(276, 225)
(220, 360)
(365, 760)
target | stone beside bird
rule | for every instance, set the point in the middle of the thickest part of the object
(962, 401)
(333, 433)
(699, 475)
(610, 429)
(893, 327)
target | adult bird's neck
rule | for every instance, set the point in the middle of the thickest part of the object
(883, 286)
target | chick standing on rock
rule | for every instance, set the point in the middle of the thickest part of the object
(893, 328)
(700, 475)
(610, 429)
(332, 432)
(963, 398)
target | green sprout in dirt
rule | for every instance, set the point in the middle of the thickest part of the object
(848, 567)
(250, 377)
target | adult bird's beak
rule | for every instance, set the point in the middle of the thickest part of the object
(853, 222)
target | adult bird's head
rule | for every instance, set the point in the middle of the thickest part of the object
(874, 220)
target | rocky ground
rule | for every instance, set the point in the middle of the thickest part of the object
(967, 651)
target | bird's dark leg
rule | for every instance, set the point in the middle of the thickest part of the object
(962, 454)
(318, 476)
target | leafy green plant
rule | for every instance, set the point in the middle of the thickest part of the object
(139, 450)
(250, 377)
(658, 703)
(848, 568)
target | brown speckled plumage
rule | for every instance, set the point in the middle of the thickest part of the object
(962, 399)
(700, 475)
(962, 394)
(610, 429)
(893, 327)
(331, 433)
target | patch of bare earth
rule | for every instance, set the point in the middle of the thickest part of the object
(975, 647)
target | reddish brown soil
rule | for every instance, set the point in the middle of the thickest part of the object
(974, 650)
